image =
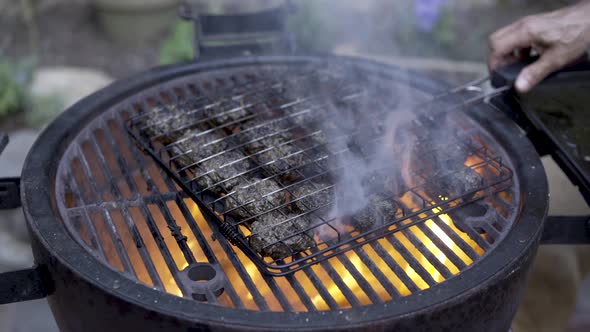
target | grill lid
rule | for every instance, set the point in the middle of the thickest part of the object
(124, 209)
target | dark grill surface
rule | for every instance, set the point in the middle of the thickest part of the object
(250, 146)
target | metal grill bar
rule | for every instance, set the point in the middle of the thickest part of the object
(413, 263)
(87, 223)
(207, 249)
(467, 249)
(299, 290)
(152, 226)
(394, 266)
(115, 190)
(348, 294)
(303, 296)
(384, 280)
(203, 244)
(332, 304)
(292, 152)
(216, 126)
(360, 279)
(145, 256)
(452, 256)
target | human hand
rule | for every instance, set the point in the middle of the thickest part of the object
(559, 37)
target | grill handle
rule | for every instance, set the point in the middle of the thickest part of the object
(566, 230)
(27, 284)
(9, 187)
(506, 76)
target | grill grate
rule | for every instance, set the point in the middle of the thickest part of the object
(128, 212)
(251, 154)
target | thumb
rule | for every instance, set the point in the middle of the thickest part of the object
(533, 74)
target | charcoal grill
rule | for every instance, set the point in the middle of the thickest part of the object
(263, 100)
(125, 237)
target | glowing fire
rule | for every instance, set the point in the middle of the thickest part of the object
(336, 278)
(344, 274)
(337, 265)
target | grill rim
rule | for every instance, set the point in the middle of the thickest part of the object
(40, 208)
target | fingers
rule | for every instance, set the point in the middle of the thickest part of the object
(533, 74)
(505, 41)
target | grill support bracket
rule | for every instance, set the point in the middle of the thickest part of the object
(566, 230)
(25, 285)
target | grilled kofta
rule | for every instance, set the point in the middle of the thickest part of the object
(253, 197)
(378, 211)
(279, 236)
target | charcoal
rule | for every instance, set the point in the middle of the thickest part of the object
(278, 240)
(379, 211)
(317, 199)
(246, 191)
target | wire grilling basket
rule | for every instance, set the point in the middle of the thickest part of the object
(261, 152)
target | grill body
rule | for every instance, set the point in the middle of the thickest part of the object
(79, 305)
(89, 296)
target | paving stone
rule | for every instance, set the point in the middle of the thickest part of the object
(69, 83)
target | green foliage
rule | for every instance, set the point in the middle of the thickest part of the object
(14, 80)
(313, 32)
(444, 32)
(178, 47)
(43, 109)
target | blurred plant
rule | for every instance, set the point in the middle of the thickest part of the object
(42, 109)
(14, 81)
(444, 32)
(428, 13)
(312, 31)
(178, 47)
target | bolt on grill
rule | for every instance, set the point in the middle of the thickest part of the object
(138, 214)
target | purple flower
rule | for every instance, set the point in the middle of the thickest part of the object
(427, 13)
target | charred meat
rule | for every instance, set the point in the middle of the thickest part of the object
(272, 147)
(311, 196)
(254, 197)
(202, 152)
(227, 111)
(459, 182)
(222, 171)
(379, 211)
(279, 236)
